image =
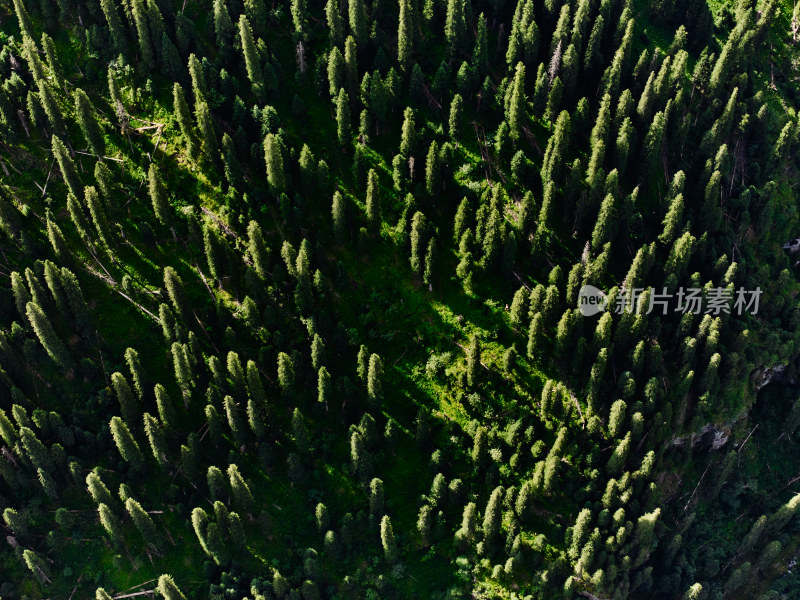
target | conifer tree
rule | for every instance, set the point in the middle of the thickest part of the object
(405, 35)
(98, 490)
(454, 123)
(156, 437)
(455, 28)
(240, 490)
(126, 444)
(158, 196)
(473, 360)
(357, 13)
(166, 410)
(418, 229)
(251, 59)
(37, 565)
(374, 376)
(110, 522)
(274, 160)
(286, 375)
(387, 540)
(223, 27)
(144, 523)
(171, 62)
(184, 117)
(21, 295)
(98, 214)
(408, 134)
(139, 11)
(25, 23)
(127, 401)
(373, 202)
(515, 115)
(50, 341)
(67, 166)
(338, 216)
(87, 120)
(343, 118)
(167, 588)
(207, 132)
(433, 170)
(334, 20)
(35, 449)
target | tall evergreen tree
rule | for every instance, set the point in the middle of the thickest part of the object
(67, 166)
(50, 341)
(357, 13)
(158, 196)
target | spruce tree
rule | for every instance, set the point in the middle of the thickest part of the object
(37, 565)
(158, 196)
(144, 523)
(274, 160)
(50, 341)
(252, 60)
(208, 133)
(184, 118)
(343, 118)
(158, 441)
(455, 28)
(387, 540)
(223, 27)
(87, 119)
(167, 588)
(373, 202)
(473, 360)
(99, 217)
(139, 11)
(335, 25)
(338, 216)
(129, 406)
(126, 444)
(454, 122)
(405, 35)
(240, 490)
(357, 13)
(67, 166)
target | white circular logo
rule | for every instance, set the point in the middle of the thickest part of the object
(591, 300)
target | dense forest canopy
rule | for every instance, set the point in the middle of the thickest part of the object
(290, 299)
